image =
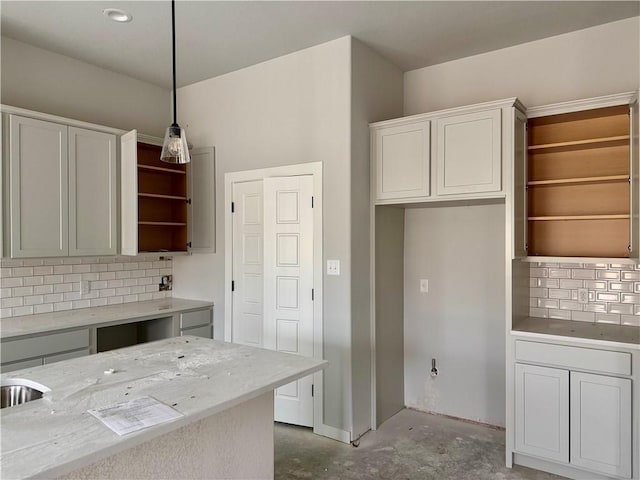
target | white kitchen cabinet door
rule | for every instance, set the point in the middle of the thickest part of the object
(129, 193)
(92, 193)
(542, 412)
(202, 191)
(38, 185)
(469, 154)
(402, 156)
(601, 423)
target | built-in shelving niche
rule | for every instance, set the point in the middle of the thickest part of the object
(578, 184)
(162, 202)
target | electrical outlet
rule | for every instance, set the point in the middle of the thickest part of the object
(166, 283)
(333, 267)
(84, 287)
(424, 285)
(583, 295)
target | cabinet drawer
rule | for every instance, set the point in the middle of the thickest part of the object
(15, 350)
(11, 367)
(204, 331)
(574, 358)
(66, 356)
(195, 319)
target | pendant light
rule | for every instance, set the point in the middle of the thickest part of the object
(174, 147)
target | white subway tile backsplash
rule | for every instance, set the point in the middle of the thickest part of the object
(559, 273)
(608, 318)
(621, 309)
(613, 292)
(583, 316)
(53, 284)
(583, 274)
(570, 284)
(630, 320)
(45, 308)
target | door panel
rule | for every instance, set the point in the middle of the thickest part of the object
(202, 190)
(601, 423)
(248, 265)
(469, 153)
(92, 193)
(288, 305)
(129, 193)
(542, 412)
(38, 188)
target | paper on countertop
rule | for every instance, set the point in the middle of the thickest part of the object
(134, 415)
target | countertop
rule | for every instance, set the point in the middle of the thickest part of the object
(55, 435)
(87, 317)
(595, 333)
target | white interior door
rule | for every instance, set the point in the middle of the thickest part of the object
(248, 266)
(288, 286)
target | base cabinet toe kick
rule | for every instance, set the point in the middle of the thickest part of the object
(575, 410)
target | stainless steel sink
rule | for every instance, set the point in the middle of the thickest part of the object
(15, 391)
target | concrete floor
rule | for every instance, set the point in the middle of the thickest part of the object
(411, 445)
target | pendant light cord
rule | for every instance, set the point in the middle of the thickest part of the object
(173, 50)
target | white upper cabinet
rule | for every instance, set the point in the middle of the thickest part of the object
(402, 161)
(92, 193)
(468, 158)
(62, 190)
(463, 153)
(38, 188)
(165, 207)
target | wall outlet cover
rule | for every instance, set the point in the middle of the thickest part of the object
(333, 267)
(583, 295)
(424, 285)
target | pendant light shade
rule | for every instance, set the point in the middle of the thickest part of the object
(174, 147)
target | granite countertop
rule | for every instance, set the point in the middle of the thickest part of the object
(86, 317)
(199, 377)
(620, 335)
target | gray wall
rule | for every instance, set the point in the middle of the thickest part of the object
(293, 109)
(376, 94)
(460, 322)
(389, 277)
(48, 82)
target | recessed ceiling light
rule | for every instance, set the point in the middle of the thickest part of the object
(117, 15)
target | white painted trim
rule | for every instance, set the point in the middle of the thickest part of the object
(441, 199)
(626, 98)
(507, 102)
(558, 469)
(315, 169)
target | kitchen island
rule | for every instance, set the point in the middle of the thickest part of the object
(224, 391)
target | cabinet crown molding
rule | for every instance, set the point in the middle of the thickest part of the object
(504, 103)
(583, 104)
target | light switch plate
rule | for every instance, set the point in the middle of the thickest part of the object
(333, 267)
(424, 285)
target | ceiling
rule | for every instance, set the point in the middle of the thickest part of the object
(216, 37)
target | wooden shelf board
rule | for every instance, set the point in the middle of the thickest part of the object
(160, 169)
(578, 217)
(164, 224)
(590, 141)
(157, 195)
(607, 178)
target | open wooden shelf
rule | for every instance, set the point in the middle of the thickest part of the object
(567, 181)
(161, 169)
(606, 141)
(578, 195)
(162, 203)
(554, 218)
(167, 197)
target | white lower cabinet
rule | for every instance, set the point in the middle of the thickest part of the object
(579, 419)
(601, 423)
(542, 412)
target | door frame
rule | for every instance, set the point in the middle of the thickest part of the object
(315, 170)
